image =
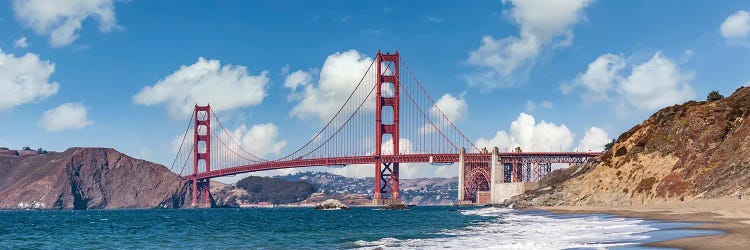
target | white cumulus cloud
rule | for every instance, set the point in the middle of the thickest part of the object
(656, 83)
(600, 77)
(61, 20)
(64, 117)
(24, 79)
(261, 139)
(541, 23)
(526, 133)
(404, 147)
(454, 108)
(653, 84)
(339, 76)
(736, 27)
(593, 140)
(225, 87)
(20, 43)
(297, 78)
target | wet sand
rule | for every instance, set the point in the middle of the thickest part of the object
(729, 216)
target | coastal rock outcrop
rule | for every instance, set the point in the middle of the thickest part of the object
(331, 204)
(87, 178)
(397, 206)
(696, 150)
(227, 195)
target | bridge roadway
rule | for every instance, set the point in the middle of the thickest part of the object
(508, 157)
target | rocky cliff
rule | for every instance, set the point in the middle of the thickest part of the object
(697, 150)
(86, 178)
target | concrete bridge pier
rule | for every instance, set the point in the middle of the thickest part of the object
(497, 173)
(499, 189)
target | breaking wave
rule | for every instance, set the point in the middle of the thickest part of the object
(512, 229)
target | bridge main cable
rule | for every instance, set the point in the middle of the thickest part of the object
(330, 121)
(434, 104)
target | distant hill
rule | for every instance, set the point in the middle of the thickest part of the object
(85, 178)
(319, 186)
(697, 150)
(274, 190)
(420, 191)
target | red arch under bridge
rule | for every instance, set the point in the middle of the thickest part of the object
(408, 127)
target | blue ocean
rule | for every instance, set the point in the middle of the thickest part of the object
(439, 227)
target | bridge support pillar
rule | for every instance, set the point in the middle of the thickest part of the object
(201, 154)
(386, 173)
(201, 193)
(461, 175)
(497, 174)
(194, 192)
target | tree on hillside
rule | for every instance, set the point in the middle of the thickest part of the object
(714, 96)
(608, 146)
(741, 87)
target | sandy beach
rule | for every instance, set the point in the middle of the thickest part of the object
(730, 216)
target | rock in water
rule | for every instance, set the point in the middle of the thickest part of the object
(87, 178)
(331, 204)
(398, 206)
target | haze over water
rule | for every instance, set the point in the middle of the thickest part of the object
(305, 228)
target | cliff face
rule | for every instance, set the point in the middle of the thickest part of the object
(86, 178)
(697, 150)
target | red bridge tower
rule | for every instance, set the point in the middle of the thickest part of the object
(201, 153)
(386, 173)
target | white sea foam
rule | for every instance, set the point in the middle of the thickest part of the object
(513, 230)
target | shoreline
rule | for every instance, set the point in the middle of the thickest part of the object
(731, 217)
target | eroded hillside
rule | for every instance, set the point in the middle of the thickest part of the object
(697, 150)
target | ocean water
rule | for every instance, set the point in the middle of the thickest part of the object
(304, 228)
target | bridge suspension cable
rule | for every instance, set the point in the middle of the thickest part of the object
(349, 132)
(179, 149)
(464, 142)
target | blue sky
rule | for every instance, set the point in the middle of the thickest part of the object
(497, 59)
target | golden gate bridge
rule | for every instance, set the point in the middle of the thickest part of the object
(408, 127)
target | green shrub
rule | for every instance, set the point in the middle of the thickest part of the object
(714, 96)
(608, 146)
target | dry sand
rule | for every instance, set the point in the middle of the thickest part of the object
(730, 216)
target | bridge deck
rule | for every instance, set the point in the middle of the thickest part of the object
(522, 157)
